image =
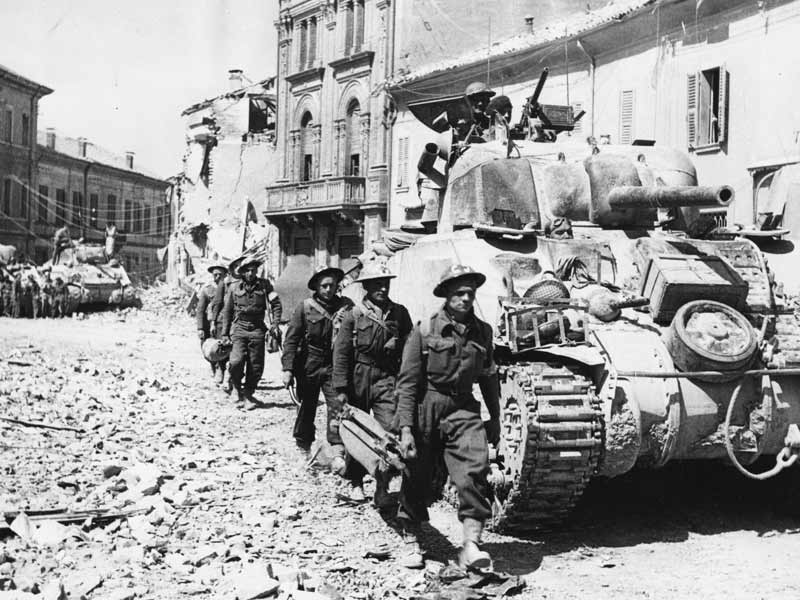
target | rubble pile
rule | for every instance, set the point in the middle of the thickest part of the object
(127, 474)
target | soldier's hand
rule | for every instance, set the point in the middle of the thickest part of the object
(492, 431)
(408, 448)
(201, 334)
(213, 330)
(288, 379)
(226, 339)
(341, 398)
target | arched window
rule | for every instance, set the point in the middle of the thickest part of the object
(306, 147)
(352, 145)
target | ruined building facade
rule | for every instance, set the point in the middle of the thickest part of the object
(334, 123)
(228, 162)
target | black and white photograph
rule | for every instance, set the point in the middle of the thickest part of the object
(399, 299)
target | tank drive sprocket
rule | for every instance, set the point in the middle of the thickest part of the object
(551, 443)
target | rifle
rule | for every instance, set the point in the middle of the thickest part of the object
(369, 443)
(531, 108)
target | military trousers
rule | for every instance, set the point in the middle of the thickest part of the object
(315, 376)
(247, 360)
(373, 391)
(452, 434)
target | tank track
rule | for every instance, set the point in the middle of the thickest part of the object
(551, 444)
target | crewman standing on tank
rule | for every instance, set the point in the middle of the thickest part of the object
(439, 418)
(206, 313)
(366, 360)
(246, 304)
(308, 359)
(61, 240)
(478, 96)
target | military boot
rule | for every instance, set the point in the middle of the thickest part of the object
(338, 461)
(382, 497)
(411, 556)
(471, 556)
(249, 402)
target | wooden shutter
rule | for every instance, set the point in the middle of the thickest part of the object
(402, 162)
(691, 110)
(576, 108)
(626, 117)
(722, 109)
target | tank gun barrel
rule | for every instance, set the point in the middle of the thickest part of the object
(672, 196)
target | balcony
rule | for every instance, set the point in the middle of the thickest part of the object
(309, 196)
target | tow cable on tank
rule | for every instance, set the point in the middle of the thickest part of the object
(785, 458)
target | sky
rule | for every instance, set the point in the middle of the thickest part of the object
(123, 71)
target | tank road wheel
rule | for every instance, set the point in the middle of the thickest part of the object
(550, 446)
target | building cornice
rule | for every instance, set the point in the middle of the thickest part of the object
(49, 155)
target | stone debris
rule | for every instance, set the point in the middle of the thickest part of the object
(204, 499)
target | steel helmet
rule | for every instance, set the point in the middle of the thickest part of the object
(375, 270)
(454, 273)
(323, 271)
(214, 350)
(478, 87)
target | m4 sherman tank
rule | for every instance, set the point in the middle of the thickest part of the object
(92, 279)
(626, 334)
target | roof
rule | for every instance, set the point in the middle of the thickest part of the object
(70, 147)
(8, 74)
(254, 89)
(565, 28)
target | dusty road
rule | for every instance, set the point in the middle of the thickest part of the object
(224, 491)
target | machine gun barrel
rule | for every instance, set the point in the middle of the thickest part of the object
(539, 86)
(672, 196)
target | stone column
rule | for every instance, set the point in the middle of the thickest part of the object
(316, 137)
(294, 149)
(338, 127)
(364, 132)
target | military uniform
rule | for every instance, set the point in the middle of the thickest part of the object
(442, 360)
(16, 297)
(204, 316)
(59, 298)
(32, 291)
(308, 355)
(5, 297)
(243, 315)
(366, 360)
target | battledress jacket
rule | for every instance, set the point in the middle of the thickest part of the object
(446, 361)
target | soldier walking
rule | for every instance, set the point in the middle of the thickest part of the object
(16, 296)
(46, 309)
(366, 360)
(439, 418)
(206, 314)
(59, 298)
(308, 356)
(32, 291)
(246, 304)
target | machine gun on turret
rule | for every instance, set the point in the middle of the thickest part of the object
(543, 122)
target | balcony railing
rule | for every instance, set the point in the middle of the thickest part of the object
(333, 193)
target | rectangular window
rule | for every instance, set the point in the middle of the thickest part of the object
(41, 254)
(147, 228)
(160, 220)
(137, 218)
(43, 204)
(7, 197)
(626, 112)
(77, 208)
(61, 207)
(127, 217)
(707, 108)
(358, 18)
(111, 210)
(8, 125)
(93, 205)
(303, 245)
(402, 162)
(26, 130)
(312, 42)
(22, 200)
(308, 163)
(349, 246)
(303, 31)
(355, 165)
(348, 27)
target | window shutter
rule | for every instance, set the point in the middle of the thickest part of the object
(691, 110)
(722, 109)
(576, 108)
(626, 117)
(402, 162)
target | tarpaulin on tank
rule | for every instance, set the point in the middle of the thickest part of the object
(499, 192)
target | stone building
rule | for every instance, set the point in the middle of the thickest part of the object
(334, 122)
(87, 187)
(19, 111)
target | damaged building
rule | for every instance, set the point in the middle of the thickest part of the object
(229, 160)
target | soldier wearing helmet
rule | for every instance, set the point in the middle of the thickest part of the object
(478, 96)
(247, 303)
(207, 313)
(366, 360)
(440, 419)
